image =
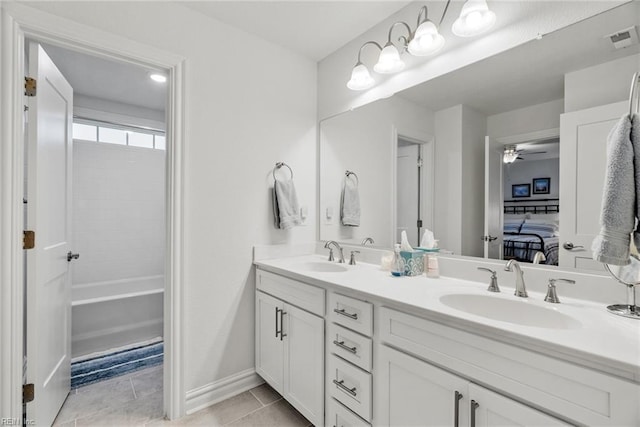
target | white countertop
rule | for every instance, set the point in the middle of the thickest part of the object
(600, 340)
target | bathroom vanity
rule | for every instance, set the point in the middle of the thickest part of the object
(350, 345)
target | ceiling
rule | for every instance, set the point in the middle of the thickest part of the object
(109, 80)
(313, 29)
(532, 73)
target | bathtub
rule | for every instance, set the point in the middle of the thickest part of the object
(113, 314)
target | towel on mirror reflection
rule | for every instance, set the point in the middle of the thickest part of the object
(635, 142)
(618, 211)
(350, 203)
(285, 204)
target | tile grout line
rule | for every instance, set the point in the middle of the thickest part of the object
(255, 410)
(256, 397)
(135, 395)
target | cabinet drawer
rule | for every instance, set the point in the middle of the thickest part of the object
(339, 416)
(350, 385)
(350, 346)
(305, 296)
(350, 312)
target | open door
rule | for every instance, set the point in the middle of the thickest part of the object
(583, 158)
(493, 199)
(48, 297)
(408, 192)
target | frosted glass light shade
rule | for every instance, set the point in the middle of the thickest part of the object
(510, 155)
(475, 18)
(360, 78)
(426, 40)
(389, 61)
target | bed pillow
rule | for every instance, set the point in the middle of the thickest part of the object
(539, 227)
(551, 217)
(512, 225)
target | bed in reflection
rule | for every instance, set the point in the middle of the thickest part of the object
(531, 228)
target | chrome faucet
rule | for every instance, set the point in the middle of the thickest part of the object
(328, 246)
(367, 240)
(521, 290)
(539, 258)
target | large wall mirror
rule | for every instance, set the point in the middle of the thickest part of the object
(504, 158)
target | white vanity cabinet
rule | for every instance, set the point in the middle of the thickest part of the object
(290, 342)
(416, 393)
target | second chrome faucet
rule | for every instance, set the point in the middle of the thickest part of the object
(521, 290)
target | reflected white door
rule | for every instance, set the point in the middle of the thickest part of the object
(48, 320)
(408, 193)
(493, 199)
(583, 155)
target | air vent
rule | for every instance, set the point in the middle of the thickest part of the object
(623, 38)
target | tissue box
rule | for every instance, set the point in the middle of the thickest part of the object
(413, 262)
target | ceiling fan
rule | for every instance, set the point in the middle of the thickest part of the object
(511, 154)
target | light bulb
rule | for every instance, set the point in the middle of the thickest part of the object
(426, 40)
(156, 77)
(475, 18)
(360, 78)
(389, 60)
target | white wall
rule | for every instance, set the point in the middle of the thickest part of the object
(526, 120)
(118, 212)
(363, 141)
(523, 172)
(518, 22)
(613, 79)
(242, 115)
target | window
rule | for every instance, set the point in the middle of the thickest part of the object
(96, 131)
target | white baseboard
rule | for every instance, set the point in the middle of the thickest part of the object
(217, 391)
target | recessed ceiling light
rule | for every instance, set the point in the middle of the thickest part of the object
(157, 77)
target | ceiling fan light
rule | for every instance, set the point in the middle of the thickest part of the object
(360, 78)
(475, 18)
(426, 40)
(389, 60)
(509, 155)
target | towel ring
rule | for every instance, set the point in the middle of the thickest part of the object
(348, 173)
(278, 166)
(634, 95)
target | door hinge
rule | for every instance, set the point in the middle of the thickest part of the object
(420, 162)
(30, 86)
(28, 393)
(28, 239)
(419, 223)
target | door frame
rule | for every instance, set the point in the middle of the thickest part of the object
(427, 178)
(19, 22)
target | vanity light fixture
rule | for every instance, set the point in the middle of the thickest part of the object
(389, 61)
(475, 18)
(360, 77)
(510, 154)
(426, 40)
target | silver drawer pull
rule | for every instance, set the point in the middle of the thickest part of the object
(344, 313)
(345, 347)
(351, 391)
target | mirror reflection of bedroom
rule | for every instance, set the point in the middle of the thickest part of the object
(531, 201)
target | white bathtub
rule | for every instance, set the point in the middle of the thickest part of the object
(107, 315)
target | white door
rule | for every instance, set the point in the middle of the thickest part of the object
(411, 392)
(48, 303)
(408, 192)
(269, 345)
(493, 199)
(489, 409)
(304, 363)
(583, 155)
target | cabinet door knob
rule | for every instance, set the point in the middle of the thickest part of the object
(282, 334)
(277, 331)
(345, 347)
(456, 408)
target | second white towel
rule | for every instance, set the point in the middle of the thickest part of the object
(350, 203)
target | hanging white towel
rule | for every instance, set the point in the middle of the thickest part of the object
(350, 203)
(618, 213)
(285, 204)
(635, 142)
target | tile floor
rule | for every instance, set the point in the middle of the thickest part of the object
(136, 400)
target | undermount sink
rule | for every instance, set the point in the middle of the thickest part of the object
(512, 311)
(321, 267)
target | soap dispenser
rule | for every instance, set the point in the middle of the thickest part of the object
(397, 264)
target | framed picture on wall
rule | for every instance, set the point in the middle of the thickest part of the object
(520, 190)
(541, 185)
